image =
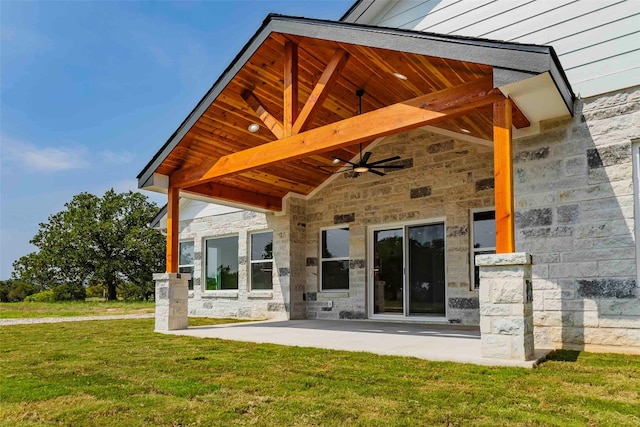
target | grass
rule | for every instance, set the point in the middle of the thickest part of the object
(120, 373)
(12, 310)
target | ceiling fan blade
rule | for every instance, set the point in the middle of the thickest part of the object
(346, 161)
(376, 172)
(388, 166)
(365, 158)
(390, 159)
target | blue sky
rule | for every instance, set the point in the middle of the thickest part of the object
(91, 90)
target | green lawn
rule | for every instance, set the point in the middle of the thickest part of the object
(10, 310)
(120, 373)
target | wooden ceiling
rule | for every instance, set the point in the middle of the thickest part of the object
(256, 95)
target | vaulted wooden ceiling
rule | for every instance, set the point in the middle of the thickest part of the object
(326, 75)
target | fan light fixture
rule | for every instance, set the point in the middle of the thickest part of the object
(361, 169)
(254, 127)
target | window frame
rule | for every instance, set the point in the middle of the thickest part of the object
(193, 265)
(477, 251)
(203, 280)
(322, 259)
(259, 261)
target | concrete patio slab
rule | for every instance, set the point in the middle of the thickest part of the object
(447, 343)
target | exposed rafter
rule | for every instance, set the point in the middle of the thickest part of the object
(263, 113)
(320, 91)
(290, 87)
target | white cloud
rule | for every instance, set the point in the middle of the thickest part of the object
(44, 159)
(115, 157)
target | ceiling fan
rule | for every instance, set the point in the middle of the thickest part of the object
(363, 165)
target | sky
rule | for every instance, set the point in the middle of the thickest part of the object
(90, 90)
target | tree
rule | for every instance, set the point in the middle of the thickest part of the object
(96, 241)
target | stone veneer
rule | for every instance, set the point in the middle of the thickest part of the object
(243, 302)
(506, 312)
(574, 215)
(443, 179)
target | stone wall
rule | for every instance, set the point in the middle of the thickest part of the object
(575, 209)
(443, 178)
(242, 303)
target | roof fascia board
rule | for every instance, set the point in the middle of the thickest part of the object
(529, 58)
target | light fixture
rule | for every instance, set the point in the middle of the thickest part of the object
(465, 130)
(400, 76)
(254, 127)
(361, 169)
(335, 161)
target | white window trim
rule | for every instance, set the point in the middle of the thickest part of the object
(473, 251)
(193, 266)
(321, 259)
(249, 274)
(203, 267)
(635, 154)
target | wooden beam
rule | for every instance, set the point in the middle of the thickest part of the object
(520, 121)
(503, 176)
(265, 116)
(173, 219)
(236, 195)
(420, 111)
(320, 91)
(290, 87)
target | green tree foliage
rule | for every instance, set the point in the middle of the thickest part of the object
(14, 291)
(105, 241)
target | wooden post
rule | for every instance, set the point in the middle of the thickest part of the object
(173, 219)
(503, 176)
(290, 87)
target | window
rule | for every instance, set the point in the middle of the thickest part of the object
(221, 263)
(185, 261)
(483, 238)
(334, 264)
(261, 261)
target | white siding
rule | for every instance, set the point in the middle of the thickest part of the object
(598, 42)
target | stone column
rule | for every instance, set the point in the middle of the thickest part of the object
(506, 310)
(172, 293)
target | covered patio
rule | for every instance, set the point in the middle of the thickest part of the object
(289, 112)
(442, 343)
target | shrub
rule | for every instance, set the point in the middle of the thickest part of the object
(96, 291)
(44, 296)
(69, 292)
(20, 290)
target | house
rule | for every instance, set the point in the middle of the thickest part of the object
(434, 161)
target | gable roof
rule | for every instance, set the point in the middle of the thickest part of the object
(218, 124)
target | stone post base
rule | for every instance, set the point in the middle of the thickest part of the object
(172, 292)
(506, 310)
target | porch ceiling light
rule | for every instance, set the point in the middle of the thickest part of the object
(254, 127)
(335, 161)
(400, 76)
(361, 169)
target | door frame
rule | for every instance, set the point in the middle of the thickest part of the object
(405, 294)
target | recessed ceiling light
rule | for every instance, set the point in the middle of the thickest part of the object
(465, 130)
(400, 76)
(335, 161)
(254, 127)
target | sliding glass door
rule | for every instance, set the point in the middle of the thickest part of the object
(408, 271)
